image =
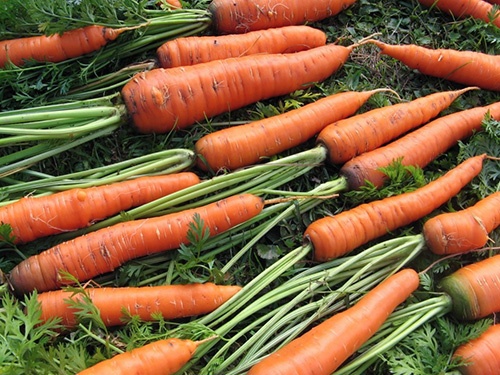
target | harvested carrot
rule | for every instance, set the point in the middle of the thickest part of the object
(171, 301)
(199, 49)
(163, 99)
(461, 231)
(325, 347)
(466, 8)
(417, 148)
(242, 16)
(337, 235)
(466, 67)
(371, 129)
(103, 250)
(240, 146)
(36, 217)
(55, 48)
(163, 357)
(172, 3)
(482, 355)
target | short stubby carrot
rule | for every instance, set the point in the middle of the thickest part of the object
(349, 137)
(104, 250)
(240, 146)
(465, 67)
(478, 9)
(335, 236)
(481, 355)
(171, 301)
(164, 99)
(474, 289)
(199, 49)
(464, 230)
(55, 48)
(242, 16)
(163, 357)
(417, 148)
(36, 217)
(325, 347)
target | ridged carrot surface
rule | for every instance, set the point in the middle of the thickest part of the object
(349, 137)
(242, 145)
(419, 147)
(36, 217)
(164, 99)
(171, 301)
(199, 49)
(103, 250)
(466, 67)
(242, 16)
(325, 347)
(337, 235)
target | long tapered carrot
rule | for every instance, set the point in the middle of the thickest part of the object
(479, 9)
(481, 355)
(171, 301)
(163, 99)
(325, 347)
(55, 48)
(36, 217)
(103, 250)
(417, 148)
(349, 137)
(242, 16)
(163, 357)
(466, 67)
(199, 49)
(337, 235)
(240, 146)
(461, 231)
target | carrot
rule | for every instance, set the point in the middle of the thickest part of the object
(478, 9)
(163, 357)
(55, 48)
(349, 137)
(163, 99)
(172, 3)
(171, 301)
(325, 347)
(240, 146)
(481, 355)
(199, 49)
(36, 217)
(335, 236)
(103, 250)
(242, 16)
(417, 148)
(461, 231)
(466, 67)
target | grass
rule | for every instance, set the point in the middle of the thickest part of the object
(30, 349)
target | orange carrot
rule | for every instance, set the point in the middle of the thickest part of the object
(164, 357)
(103, 250)
(337, 235)
(417, 148)
(36, 217)
(163, 99)
(55, 48)
(172, 3)
(461, 231)
(240, 146)
(474, 289)
(482, 355)
(466, 8)
(171, 301)
(325, 347)
(466, 67)
(347, 138)
(199, 49)
(242, 16)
